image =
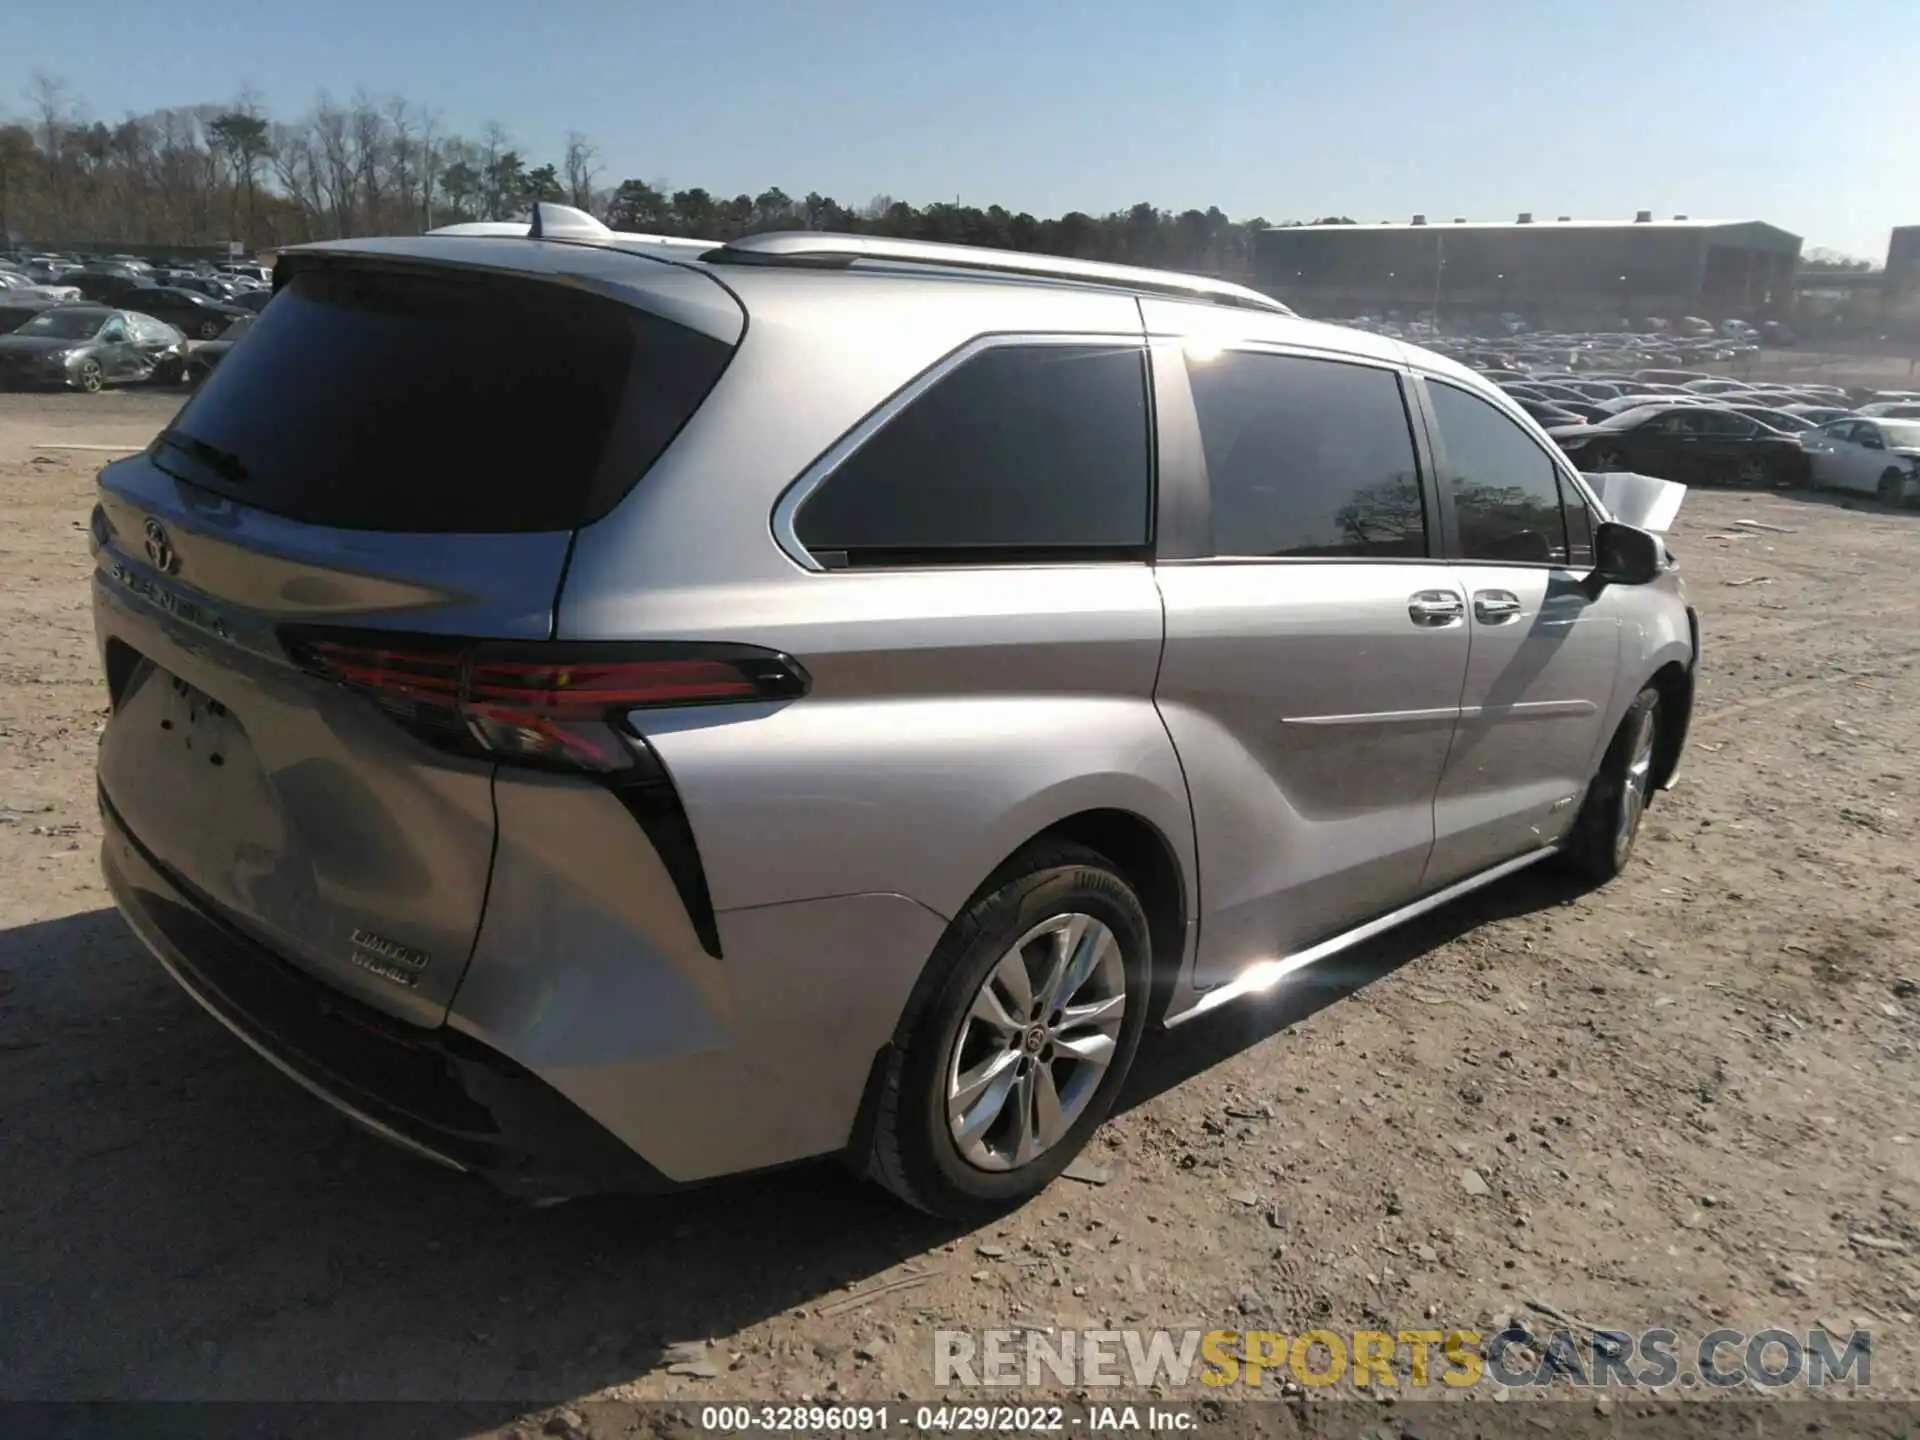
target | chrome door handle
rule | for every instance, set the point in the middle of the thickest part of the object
(1434, 608)
(1495, 607)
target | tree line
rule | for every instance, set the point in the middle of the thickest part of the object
(200, 175)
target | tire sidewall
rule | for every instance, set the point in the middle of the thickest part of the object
(927, 1144)
(1619, 758)
(1588, 850)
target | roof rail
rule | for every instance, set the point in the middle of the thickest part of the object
(812, 247)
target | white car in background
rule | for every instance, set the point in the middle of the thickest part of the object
(1874, 456)
(16, 285)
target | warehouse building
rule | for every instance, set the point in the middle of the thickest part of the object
(1548, 270)
(1903, 261)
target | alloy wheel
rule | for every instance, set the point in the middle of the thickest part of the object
(1633, 789)
(1036, 1042)
(88, 376)
(1751, 472)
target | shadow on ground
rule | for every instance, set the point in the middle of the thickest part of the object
(186, 1224)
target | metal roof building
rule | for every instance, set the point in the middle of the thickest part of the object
(1551, 267)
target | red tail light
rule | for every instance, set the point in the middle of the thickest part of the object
(557, 704)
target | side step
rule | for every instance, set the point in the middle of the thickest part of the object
(1263, 975)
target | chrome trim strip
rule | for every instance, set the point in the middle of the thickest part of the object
(1263, 975)
(1377, 717)
(1529, 710)
(787, 509)
(1524, 710)
(154, 942)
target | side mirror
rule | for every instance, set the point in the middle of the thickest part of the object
(1625, 554)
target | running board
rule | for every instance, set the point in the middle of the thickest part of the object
(1263, 975)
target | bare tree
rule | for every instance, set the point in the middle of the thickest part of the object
(580, 167)
(52, 109)
(431, 145)
(368, 144)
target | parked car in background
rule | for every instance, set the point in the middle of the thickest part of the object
(204, 356)
(17, 284)
(16, 310)
(1641, 402)
(186, 310)
(107, 287)
(687, 770)
(47, 269)
(1785, 421)
(254, 300)
(1586, 409)
(89, 347)
(1550, 414)
(1689, 443)
(1873, 457)
(1819, 414)
(1891, 409)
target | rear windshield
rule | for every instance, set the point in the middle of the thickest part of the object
(394, 400)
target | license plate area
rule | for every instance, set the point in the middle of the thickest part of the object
(189, 718)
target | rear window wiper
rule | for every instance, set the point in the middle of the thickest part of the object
(223, 463)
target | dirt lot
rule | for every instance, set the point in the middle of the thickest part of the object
(1684, 1093)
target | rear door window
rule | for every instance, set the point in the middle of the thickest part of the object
(1021, 452)
(409, 401)
(1307, 458)
(1506, 491)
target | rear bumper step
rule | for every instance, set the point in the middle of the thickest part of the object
(437, 1093)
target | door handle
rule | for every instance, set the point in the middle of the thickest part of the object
(1434, 608)
(1495, 607)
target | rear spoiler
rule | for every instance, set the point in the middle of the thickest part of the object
(1645, 501)
(558, 223)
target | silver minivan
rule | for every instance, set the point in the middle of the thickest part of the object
(607, 713)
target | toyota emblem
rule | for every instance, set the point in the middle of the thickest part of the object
(160, 548)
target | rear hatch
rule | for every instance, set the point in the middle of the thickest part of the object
(370, 503)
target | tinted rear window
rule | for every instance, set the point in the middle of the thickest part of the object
(1023, 451)
(386, 400)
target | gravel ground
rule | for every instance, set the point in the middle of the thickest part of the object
(1682, 1100)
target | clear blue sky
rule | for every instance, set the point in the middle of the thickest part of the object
(1804, 114)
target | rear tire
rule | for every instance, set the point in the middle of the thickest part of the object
(1601, 841)
(1753, 473)
(1017, 1039)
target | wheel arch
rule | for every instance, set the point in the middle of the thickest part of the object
(1674, 683)
(1147, 861)
(1145, 858)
